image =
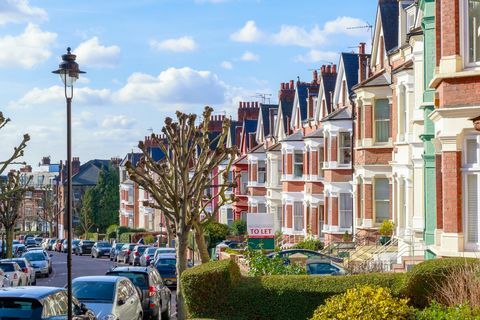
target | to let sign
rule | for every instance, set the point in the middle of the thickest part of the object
(260, 225)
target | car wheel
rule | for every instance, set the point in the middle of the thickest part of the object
(140, 317)
(124, 260)
(50, 271)
(166, 313)
(34, 283)
(92, 256)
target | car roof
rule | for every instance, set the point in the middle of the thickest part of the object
(99, 278)
(35, 292)
(165, 249)
(130, 269)
(166, 256)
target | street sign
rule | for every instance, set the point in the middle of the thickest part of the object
(261, 232)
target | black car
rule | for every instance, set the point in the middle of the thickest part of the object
(114, 251)
(155, 295)
(37, 303)
(166, 266)
(136, 253)
(124, 253)
(101, 248)
(84, 247)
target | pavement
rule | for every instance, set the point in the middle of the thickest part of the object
(81, 266)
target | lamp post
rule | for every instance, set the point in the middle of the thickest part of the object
(68, 71)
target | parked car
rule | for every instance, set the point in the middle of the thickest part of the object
(51, 243)
(156, 296)
(38, 303)
(38, 241)
(44, 243)
(110, 297)
(322, 267)
(84, 247)
(30, 242)
(160, 251)
(114, 251)
(14, 273)
(39, 261)
(147, 257)
(18, 250)
(137, 251)
(16, 242)
(124, 253)
(101, 248)
(166, 266)
(58, 245)
(26, 267)
(4, 280)
(75, 243)
(309, 253)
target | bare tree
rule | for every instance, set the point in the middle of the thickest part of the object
(49, 202)
(17, 151)
(177, 183)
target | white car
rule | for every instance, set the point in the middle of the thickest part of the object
(26, 268)
(14, 273)
(109, 297)
(4, 280)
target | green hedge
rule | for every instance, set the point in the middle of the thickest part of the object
(126, 237)
(423, 279)
(212, 291)
(206, 288)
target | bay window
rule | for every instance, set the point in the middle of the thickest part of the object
(345, 210)
(382, 120)
(472, 191)
(382, 200)
(261, 172)
(344, 148)
(297, 216)
(298, 164)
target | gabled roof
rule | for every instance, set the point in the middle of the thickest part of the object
(265, 114)
(287, 106)
(156, 153)
(315, 134)
(275, 147)
(328, 84)
(133, 157)
(234, 124)
(88, 172)
(350, 65)
(258, 149)
(297, 136)
(304, 90)
(339, 114)
(389, 16)
(378, 80)
(249, 126)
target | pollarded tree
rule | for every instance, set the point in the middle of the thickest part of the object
(178, 182)
(12, 193)
(17, 151)
(50, 213)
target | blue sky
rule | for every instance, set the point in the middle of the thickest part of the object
(145, 59)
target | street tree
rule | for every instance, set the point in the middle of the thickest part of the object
(49, 201)
(178, 182)
(12, 193)
(89, 206)
(108, 198)
(17, 151)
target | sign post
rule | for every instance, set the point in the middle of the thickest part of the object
(261, 234)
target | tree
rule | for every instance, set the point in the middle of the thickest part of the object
(239, 227)
(12, 190)
(216, 232)
(12, 193)
(178, 182)
(50, 213)
(108, 198)
(89, 206)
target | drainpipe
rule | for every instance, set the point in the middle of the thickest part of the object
(353, 97)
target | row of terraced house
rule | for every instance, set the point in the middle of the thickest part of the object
(384, 135)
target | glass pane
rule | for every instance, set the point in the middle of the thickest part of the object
(472, 205)
(382, 211)
(382, 189)
(471, 151)
(474, 30)
(382, 109)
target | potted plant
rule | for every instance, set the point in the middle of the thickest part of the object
(346, 237)
(386, 231)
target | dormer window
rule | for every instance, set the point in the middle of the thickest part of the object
(410, 21)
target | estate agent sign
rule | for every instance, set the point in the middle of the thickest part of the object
(261, 231)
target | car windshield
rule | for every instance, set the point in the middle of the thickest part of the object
(141, 249)
(75, 241)
(94, 290)
(163, 250)
(139, 279)
(131, 246)
(35, 256)
(103, 244)
(119, 246)
(7, 267)
(30, 240)
(88, 243)
(151, 250)
(166, 262)
(21, 263)
(18, 308)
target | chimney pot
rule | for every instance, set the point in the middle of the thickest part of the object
(361, 48)
(322, 69)
(291, 85)
(334, 68)
(240, 104)
(329, 69)
(315, 75)
(282, 86)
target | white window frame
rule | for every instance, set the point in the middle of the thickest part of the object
(344, 212)
(262, 206)
(321, 159)
(464, 36)
(230, 217)
(243, 182)
(403, 118)
(376, 121)
(262, 173)
(375, 200)
(297, 163)
(298, 216)
(341, 147)
(470, 169)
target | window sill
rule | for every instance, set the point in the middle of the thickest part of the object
(466, 72)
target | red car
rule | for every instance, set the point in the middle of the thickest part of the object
(58, 245)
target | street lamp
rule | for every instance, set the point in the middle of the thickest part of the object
(68, 71)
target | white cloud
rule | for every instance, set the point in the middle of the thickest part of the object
(28, 49)
(173, 87)
(249, 56)
(318, 56)
(248, 33)
(55, 94)
(84, 119)
(17, 11)
(226, 65)
(118, 121)
(181, 44)
(292, 35)
(91, 53)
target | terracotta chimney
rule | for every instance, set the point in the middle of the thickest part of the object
(329, 69)
(292, 86)
(282, 86)
(315, 76)
(322, 70)
(334, 68)
(361, 48)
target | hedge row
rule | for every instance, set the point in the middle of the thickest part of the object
(216, 290)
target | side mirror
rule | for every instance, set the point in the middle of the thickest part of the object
(121, 302)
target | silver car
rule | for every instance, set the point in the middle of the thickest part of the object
(26, 267)
(39, 262)
(109, 297)
(14, 273)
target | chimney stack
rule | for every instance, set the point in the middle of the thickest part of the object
(361, 48)
(334, 68)
(362, 63)
(282, 86)
(292, 87)
(329, 69)
(322, 70)
(315, 76)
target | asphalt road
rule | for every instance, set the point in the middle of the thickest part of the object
(81, 266)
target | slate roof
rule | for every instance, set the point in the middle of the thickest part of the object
(378, 80)
(297, 136)
(156, 153)
(305, 89)
(287, 106)
(88, 173)
(350, 66)
(315, 134)
(339, 114)
(258, 149)
(389, 17)
(234, 124)
(328, 81)
(212, 136)
(275, 147)
(265, 111)
(249, 126)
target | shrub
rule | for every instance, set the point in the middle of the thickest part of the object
(260, 265)
(217, 232)
(112, 231)
(149, 239)
(239, 227)
(270, 297)
(309, 244)
(206, 288)
(386, 228)
(364, 303)
(462, 287)
(424, 279)
(126, 237)
(438, 312)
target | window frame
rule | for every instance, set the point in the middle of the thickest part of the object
(464, 36)
(263, 172)
(342, 212)
(297, 164)
(375, 120)
(321, 160)
(341, 161)
(298, 216)
(387, 200)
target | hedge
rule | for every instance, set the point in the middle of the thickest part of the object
(206, 288)
(423, 279)
(216, 290)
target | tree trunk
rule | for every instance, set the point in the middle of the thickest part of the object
(9, 241)
(201, 244)
(181, 248)
(50, 229)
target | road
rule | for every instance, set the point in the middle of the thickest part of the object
(81, 266)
